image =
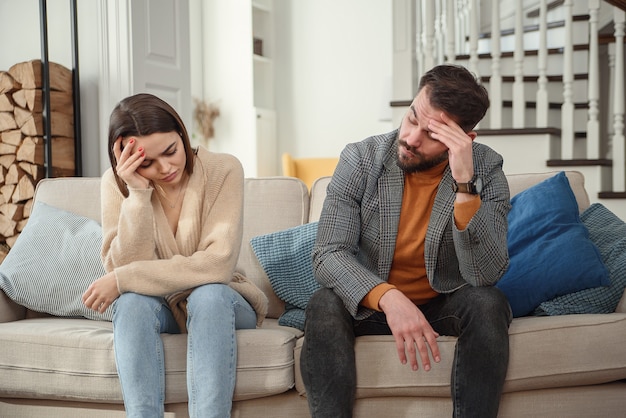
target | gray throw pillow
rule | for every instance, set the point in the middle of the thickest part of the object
(53, 261)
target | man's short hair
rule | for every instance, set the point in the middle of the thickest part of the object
(456, 91)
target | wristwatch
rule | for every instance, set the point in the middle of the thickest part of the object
(474, 186)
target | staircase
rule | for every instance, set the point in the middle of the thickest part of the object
(555, 73)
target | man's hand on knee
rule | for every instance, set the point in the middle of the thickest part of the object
(411, 330)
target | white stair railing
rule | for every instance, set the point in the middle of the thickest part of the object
(449, 28)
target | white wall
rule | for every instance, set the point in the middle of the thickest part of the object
(20, 32)
(333, 63)
(334, 66)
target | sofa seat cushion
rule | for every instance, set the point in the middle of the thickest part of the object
(72, 359)
(546, 352)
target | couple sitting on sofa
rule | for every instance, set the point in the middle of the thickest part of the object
(411, 241)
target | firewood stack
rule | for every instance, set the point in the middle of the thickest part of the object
(22, 140)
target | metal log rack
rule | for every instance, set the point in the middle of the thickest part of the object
(47, 136)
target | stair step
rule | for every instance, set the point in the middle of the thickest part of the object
(612, 195)
(530, 62)
(552, 5)
(580, 162)
(527, 52)
(551, 105)
(535, 27)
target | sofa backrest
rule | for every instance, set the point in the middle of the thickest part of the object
(79, 195)
(270, 204)
(517, 183)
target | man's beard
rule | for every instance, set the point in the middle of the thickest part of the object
(419, 162)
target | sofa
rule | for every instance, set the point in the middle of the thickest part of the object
(53, 366)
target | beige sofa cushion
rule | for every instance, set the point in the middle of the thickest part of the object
(53, 358)
(546, 352)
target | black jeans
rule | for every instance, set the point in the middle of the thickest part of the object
(478, 316)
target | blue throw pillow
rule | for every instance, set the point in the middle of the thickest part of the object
(53, 261)
(549, 248)
(286, 259)
(608, 232)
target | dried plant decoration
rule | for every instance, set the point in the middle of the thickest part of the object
(204, 114)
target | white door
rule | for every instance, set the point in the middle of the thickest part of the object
(145, 49)
(160, 52)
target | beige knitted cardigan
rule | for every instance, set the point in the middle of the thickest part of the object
(138, 244)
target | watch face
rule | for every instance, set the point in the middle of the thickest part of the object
(478, 185)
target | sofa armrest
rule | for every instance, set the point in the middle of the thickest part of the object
(621, 306)
(9, 310)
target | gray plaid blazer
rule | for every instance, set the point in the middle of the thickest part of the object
(359, 222)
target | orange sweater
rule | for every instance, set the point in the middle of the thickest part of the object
(408, 269)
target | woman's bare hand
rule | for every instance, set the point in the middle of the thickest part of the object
(101, 293)
(129, 160)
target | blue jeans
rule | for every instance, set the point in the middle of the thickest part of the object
(214, 311)
(478, 316)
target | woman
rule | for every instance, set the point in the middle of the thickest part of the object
(172, 230)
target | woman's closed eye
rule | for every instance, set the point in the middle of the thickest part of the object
(170, 153)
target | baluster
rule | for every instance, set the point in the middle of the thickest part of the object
(609, 111)
(440, 31)
(619, 149)
(593, 125)
(419, 38)
(473, 37)
(542, 64)
(429, 35)
(463, 32)
(495, 81)
(450, 32)
(567, 108)
(519, 104)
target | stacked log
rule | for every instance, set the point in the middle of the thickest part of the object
(22, 152)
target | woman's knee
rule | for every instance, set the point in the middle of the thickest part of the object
(219, 302)
(135, 305)
(215, 300)
(216, 294)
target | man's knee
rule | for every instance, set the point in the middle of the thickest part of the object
(325, 304)
(326, 313)
(490, 300)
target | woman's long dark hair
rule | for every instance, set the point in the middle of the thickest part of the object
(141, 115)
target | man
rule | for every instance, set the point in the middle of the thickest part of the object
(411, 240)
